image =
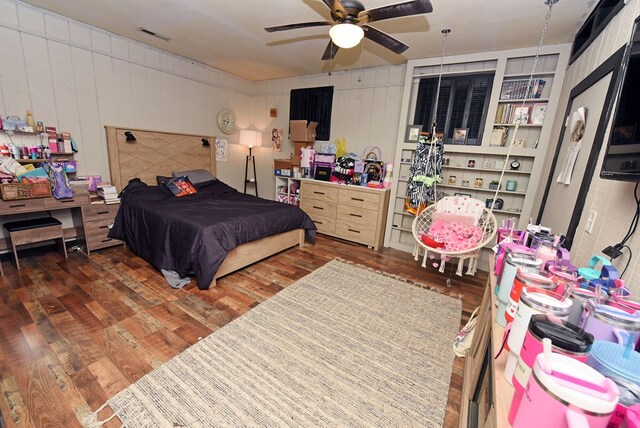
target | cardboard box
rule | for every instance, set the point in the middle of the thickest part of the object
(302, 132)
(283, 167)
(297, 151)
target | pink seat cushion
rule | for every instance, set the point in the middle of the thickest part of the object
(457, 232)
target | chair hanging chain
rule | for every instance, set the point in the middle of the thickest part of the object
(547, 17)
(445, 32)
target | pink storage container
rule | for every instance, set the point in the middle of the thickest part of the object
(568, 394)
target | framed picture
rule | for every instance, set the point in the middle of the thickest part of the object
(521, 114)
(468, 195)
(460, 135)
(537, 115)
(413, 133)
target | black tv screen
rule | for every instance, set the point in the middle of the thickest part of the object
(622, 156)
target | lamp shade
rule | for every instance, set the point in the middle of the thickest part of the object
(250, 138)
(346, 35)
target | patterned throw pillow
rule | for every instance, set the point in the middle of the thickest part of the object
(180, 186)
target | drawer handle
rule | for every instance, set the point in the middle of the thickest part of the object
(65, 201)
(17, 206)
(318, 193)
(318, 222)
(107, 240)
(104, 227)
(318, 208)
(102, 212)
(353, 230)
(355, 215)
(357, 199)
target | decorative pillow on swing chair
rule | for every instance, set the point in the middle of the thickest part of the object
(453, 232)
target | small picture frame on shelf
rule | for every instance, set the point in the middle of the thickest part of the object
(537, 113)
(521, 115)
(464, 195)
(471, 163)
(413, 133)
(445, 161)
(460, 136)
(486, 164)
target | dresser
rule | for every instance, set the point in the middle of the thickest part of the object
(352, 213)
(97, 220)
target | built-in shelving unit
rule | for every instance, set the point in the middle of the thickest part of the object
(464, 165)
(288, 190)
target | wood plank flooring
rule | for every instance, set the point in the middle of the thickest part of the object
(75, 332)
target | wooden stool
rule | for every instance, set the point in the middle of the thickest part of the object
(35, 230)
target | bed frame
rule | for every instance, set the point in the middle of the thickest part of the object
(160, 153)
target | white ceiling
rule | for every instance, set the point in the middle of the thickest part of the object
(229, 35)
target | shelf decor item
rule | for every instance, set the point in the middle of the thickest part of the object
(495, 185)
(479, 183)
(512, 185)
(413, 133)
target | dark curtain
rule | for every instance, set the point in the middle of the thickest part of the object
(313, 104)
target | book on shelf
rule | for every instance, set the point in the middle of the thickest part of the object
(499, 136)
(519, 89)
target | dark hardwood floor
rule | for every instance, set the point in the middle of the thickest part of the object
(74, 333)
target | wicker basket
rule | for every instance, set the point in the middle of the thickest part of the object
(13, 191)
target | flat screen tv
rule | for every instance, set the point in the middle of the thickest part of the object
(622, 156)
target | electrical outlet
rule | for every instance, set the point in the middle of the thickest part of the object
(591, 221)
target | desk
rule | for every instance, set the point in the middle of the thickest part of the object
(93, 219)
(486, 395)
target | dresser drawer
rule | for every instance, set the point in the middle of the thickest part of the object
(99, 211)
(102, 241)
(362, 234)
(315, 207)
(76, 201)
(98, 227)
(10, 207)
(324, 224)
(319, 192)
(357, 215)
(359, 199)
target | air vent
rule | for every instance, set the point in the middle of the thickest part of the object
(154, 34)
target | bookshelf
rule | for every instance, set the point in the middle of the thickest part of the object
(511, 70)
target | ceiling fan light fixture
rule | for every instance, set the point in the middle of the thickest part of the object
(346, 35)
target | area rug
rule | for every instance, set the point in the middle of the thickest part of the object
(343, 346)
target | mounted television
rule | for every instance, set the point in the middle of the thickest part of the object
(622, 155)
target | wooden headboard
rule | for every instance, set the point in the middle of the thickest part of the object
(156, 153)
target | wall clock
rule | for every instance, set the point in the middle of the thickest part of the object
(515, 165)
(227, 121)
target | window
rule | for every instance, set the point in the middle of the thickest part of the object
(463, 103)
(313, 104)
(604, 11)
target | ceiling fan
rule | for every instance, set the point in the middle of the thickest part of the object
(350, 20)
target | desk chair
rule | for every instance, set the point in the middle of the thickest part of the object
(35, 230)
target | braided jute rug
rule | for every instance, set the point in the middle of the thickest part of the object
(344, 346)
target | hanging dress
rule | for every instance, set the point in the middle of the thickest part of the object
(425, 170)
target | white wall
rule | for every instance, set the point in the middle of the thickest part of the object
(612, 200)
(366, 111)
(79, 78)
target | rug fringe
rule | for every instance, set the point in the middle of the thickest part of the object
(459, 296)
(89, 419)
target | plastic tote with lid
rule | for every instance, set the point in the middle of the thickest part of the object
(563, 392)
(622, 365)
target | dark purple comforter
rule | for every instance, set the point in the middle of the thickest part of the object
(193, 233)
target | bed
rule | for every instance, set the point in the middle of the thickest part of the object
(182, 234)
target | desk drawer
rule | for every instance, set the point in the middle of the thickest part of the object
(357, 215)
(361, 234)
(324, 224)
(355, 198)
(98, 227)
(76, 201)
(99, 211)
(319, 192)
(10, 207)
(315, 207)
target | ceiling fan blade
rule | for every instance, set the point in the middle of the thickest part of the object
(330, 51)
(294, 26)
(415, 7)
(338, 10)
(384, 39)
